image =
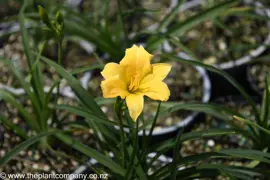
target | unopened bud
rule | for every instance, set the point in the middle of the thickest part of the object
(44, 16)
(59, 18)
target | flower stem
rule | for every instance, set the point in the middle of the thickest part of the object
(122, 134)
(118, 110)
(135, 147)
(148, 138)
(59, 61)
(154, 123)
(60, 54)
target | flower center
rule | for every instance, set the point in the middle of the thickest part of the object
(134, 83)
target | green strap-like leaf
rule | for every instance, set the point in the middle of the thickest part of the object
(88, 115)
(36, 82)
(216, 110)
(138, 167)
(170, 16)
(102, 159)
(266, 101)
(185, 173)
(87, 68)
(225, 75)
(102, 100)
(85, 98)
(176, 155)
(81, 93)
(249, 172)
(28, 54)
(170, 143)
(253, 124)
(91, 33)
(198, 18)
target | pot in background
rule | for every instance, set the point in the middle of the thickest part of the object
(237, 68)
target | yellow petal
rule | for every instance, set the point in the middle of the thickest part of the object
(114, 87)
(156, 90)
(135, 105)
(111, 69)
(136, 64)
(160, 71)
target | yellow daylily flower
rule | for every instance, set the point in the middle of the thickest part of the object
(135, 77)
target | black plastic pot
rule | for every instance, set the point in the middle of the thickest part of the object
(237, 68)
(222, 87)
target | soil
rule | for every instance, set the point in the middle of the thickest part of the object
(257, 74)
(146, 13)
(12, 49)
(225, 38)
(61, 159)
(10, 8)
(219, 142)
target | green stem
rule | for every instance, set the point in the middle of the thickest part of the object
(122, 134)
(155, 121)
(118, 109)
(145, 150)
(176, 155)
(135, 145)
(59, 61)
(144, 135)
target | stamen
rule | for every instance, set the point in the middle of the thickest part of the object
(134, 83)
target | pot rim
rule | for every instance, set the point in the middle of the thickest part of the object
(185, 6)
(255, 52)
(262, 10)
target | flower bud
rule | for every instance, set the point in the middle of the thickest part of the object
(44, 16)
(59, 18)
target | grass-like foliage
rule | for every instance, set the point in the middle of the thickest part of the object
(122, 153)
